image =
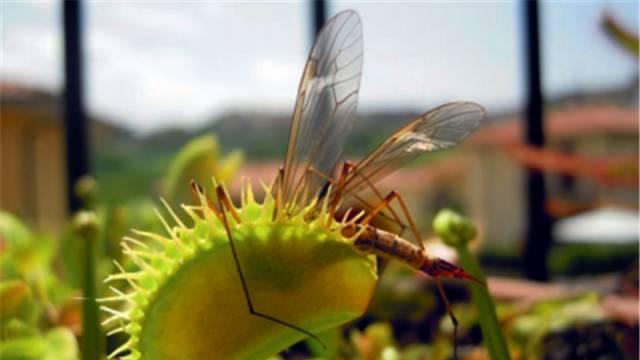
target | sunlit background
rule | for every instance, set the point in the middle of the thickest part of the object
(152, 66)
(159, 74)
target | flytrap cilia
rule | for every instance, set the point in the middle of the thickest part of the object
(326, 100)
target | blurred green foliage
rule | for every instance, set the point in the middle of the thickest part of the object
(621, 36)
(567, 328)
(128, 171)
(135, 167)
(199, 160)
(41, 276)
(56, 344)
(589, 259)
(532, 330)
(567, 260)
(31, 294)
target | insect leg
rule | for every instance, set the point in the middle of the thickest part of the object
(336, 198)
(403, 206)
(453, 318)
(224, 198)
(197, 192)
(225, 202)
(385, 203)
(278, 193)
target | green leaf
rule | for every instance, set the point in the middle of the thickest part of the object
(32, 348)
(57, 344)
(199, 160)
(61, 345)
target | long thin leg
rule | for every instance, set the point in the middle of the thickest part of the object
(354, 169)
(365, 203)
(278, 193)
(197, 189)
(196, 192)
(403, 206)
(385, 204)
(227, 202)
(224, 202)
(348, 169)
(453, 318)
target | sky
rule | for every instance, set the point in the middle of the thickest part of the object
(157, 64)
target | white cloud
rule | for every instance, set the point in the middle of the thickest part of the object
(280, 77)
(31, 48)
(161, 67)
(171, 63)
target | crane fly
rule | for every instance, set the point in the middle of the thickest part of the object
(326, 101)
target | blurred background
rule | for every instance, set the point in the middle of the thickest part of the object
(157, 75)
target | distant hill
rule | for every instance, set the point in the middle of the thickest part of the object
(129, 165)
(264, 136)
(105, 133)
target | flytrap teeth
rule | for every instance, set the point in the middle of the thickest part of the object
(158, 257)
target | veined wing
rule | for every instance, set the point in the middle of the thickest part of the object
(438, 129)
(327, 98)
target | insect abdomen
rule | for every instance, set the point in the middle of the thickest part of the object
(390, 245)
(386, 244)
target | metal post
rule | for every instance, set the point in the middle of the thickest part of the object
(538, 237)
(75, 121)
(319, 16)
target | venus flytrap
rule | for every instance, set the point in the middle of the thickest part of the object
(186, 300)
(248, 281)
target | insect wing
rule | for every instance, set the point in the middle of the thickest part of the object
(438, 129)
(327, 98)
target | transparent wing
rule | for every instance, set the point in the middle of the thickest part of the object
(438, 129)
(327, 98)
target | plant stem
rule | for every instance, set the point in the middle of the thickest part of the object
(485, 307)
(87, 228)
(457, 231)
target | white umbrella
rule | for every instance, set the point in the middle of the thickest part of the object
(602, 226)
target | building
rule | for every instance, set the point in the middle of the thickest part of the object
(32, 160)
(591, 161)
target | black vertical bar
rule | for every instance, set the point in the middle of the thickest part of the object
(538, 237)
(77, 153)
(319, 16)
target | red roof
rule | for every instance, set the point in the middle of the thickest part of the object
(403, 179)
(19, 92)
(565, 122)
